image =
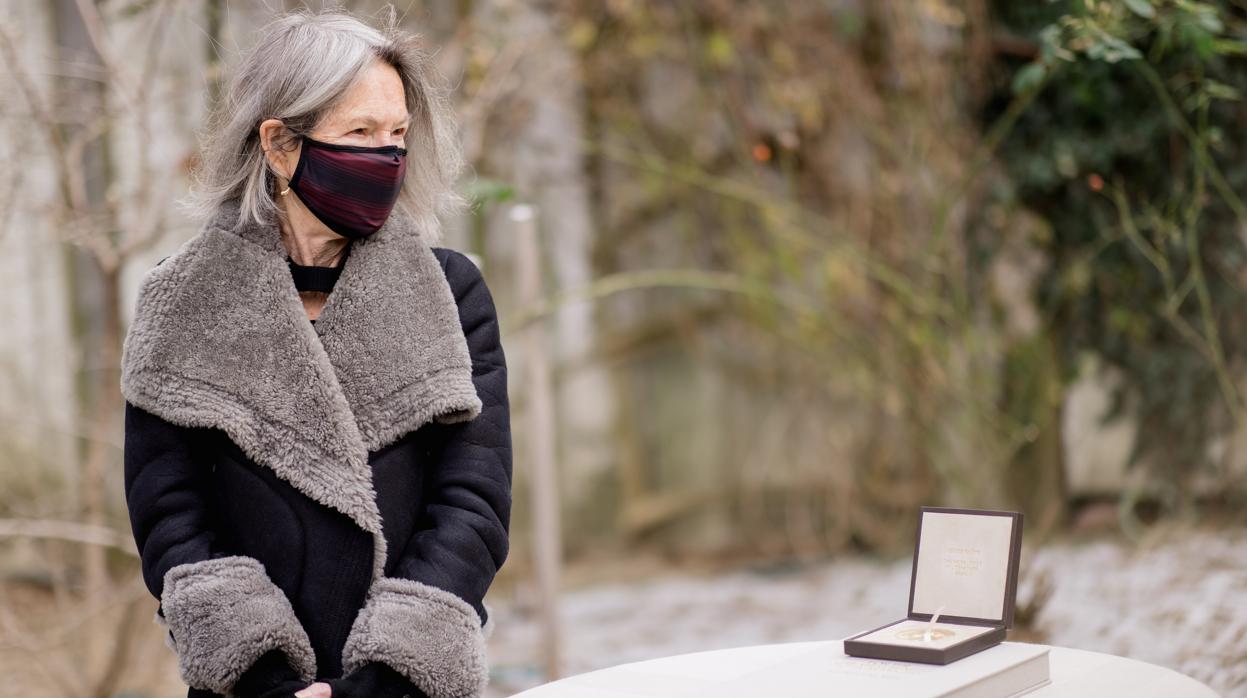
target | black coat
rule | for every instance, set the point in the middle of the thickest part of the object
(319, 502)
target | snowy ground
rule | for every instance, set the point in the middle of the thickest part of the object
(1178, 600)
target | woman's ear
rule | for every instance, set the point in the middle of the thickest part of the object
(273, 137)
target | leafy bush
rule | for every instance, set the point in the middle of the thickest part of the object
(1134, 151)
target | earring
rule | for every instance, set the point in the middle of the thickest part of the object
(285, 191)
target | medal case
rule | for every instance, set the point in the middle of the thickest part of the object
(964, 578)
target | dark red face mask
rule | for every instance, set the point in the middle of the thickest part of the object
(350, 188)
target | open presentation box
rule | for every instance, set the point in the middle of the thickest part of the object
(962, 590)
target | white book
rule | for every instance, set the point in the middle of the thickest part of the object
(1008, 669)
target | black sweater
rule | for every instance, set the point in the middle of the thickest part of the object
(272, 676)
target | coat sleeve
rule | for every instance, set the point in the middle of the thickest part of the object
(428, 619)
(221, 612)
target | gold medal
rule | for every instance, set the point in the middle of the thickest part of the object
(921, 634)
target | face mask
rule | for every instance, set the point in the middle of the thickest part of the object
(350, 188)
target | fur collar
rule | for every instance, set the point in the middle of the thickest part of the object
(220, 339)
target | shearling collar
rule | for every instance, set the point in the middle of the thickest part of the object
(220, 339)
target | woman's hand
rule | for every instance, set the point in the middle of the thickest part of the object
(320, 689)
(375, 680)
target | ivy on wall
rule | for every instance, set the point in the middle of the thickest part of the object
(1133, 151)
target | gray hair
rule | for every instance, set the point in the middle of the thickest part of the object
(302, 65)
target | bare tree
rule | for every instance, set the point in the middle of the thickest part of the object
(111, 205)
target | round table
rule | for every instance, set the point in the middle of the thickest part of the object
(714, 673)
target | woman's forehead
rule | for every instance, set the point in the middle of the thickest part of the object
(377, 97)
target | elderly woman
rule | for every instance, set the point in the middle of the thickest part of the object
(317, 439)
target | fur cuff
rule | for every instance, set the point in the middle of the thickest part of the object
(427, 634)
(224, 613)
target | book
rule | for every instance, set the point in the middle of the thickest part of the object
(1005, 670)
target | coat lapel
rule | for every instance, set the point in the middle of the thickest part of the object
(220, 339)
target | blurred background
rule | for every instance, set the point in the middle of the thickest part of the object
(770, 276)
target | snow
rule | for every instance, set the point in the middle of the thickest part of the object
(1178, 600)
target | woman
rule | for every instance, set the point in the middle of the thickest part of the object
(317, 443)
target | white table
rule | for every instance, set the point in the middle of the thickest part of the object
(698, 674)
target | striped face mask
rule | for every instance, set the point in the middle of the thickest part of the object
(350, 188)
